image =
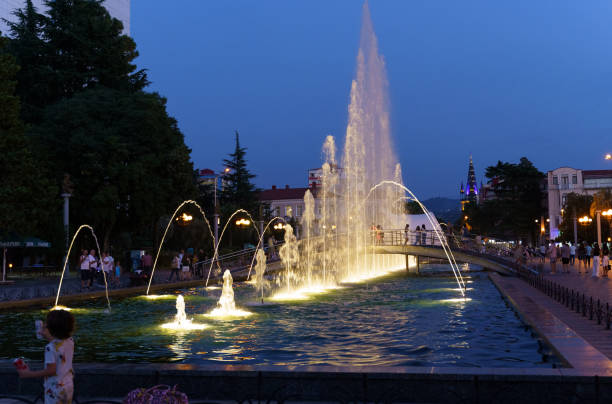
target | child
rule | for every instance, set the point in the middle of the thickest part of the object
(58, 372)
(118, 273)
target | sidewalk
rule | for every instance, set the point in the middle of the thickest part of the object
(580, 280)
(47, 287)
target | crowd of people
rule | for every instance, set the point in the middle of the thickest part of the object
(100, 270)
(585, 257)
(417, 236)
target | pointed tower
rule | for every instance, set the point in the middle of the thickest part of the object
(472, 185)
(470, 193)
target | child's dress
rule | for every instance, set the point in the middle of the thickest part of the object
(59, 388)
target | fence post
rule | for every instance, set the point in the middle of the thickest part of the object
(598, 312)
(591, 308)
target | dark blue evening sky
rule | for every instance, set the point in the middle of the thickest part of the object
(499, 80)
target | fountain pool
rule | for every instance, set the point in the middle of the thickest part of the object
(396, 320)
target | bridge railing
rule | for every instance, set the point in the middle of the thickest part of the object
(398, 237)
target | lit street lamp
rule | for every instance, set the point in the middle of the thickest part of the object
(243, 222)
(608, 156)
(184, 219)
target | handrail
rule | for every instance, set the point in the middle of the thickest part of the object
(570, 298)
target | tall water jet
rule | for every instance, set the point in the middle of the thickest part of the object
(307, 225)
(289, 256)
(261, 283)
(181, 322)
(260, 241)
(368, 156)
(226, 307)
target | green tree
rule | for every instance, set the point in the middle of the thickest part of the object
(126, 157)
(26, 195)
(75, 47)
(576, 206)
(517, 203)
(239, 191)
(413, 208)
(29, 49)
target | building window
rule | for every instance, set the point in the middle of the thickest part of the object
(555, 180)
(563, 200)
(277, 211)
(564, 180)
(298, 211)
(574, 179)
(288, 211)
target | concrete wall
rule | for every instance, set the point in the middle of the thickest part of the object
(330, 384)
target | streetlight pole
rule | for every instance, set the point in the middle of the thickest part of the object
(216, 215)
(598, 213)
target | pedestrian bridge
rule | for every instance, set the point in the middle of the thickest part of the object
(427, 245)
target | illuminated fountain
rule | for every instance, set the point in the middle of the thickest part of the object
(358, 191)
(187, 202)
(361, 185)
(59, 288)
(181, 322)
(226, 307)
(261, 283)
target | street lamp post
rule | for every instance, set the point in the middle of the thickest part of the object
(598, 213)
(585, 220)
(216, 215)
(608, 215)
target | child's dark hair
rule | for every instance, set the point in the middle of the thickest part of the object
(60, 323)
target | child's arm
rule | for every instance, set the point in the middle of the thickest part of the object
(50, 370)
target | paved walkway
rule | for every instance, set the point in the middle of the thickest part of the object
(583, 343)
(579, 279)
(25, 289)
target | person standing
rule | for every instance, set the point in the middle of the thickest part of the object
(58, 374)
(605, 259)
(552, 256)
(542, 253)
(417, 235)
(84, 267)
(180, 256)
(107, 265)
(572, 254)
(423, 235)
(581, 254)
(406, 234)
(93, 266)
(587, 256)
(565, 257)
(176, 267)
(147, 263)
(596, 252)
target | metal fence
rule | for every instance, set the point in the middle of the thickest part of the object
(588, 306)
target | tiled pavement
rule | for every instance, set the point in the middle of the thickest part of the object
(569, 332)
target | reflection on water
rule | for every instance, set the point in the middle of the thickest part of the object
(395, 321)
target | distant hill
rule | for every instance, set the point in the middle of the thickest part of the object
(444, 208)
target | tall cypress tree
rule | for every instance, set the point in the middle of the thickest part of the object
(29, 50)
(75, 47)
(238, 191)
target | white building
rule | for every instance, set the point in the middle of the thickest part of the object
(284, 202)
(565, 180)
(119, 9)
